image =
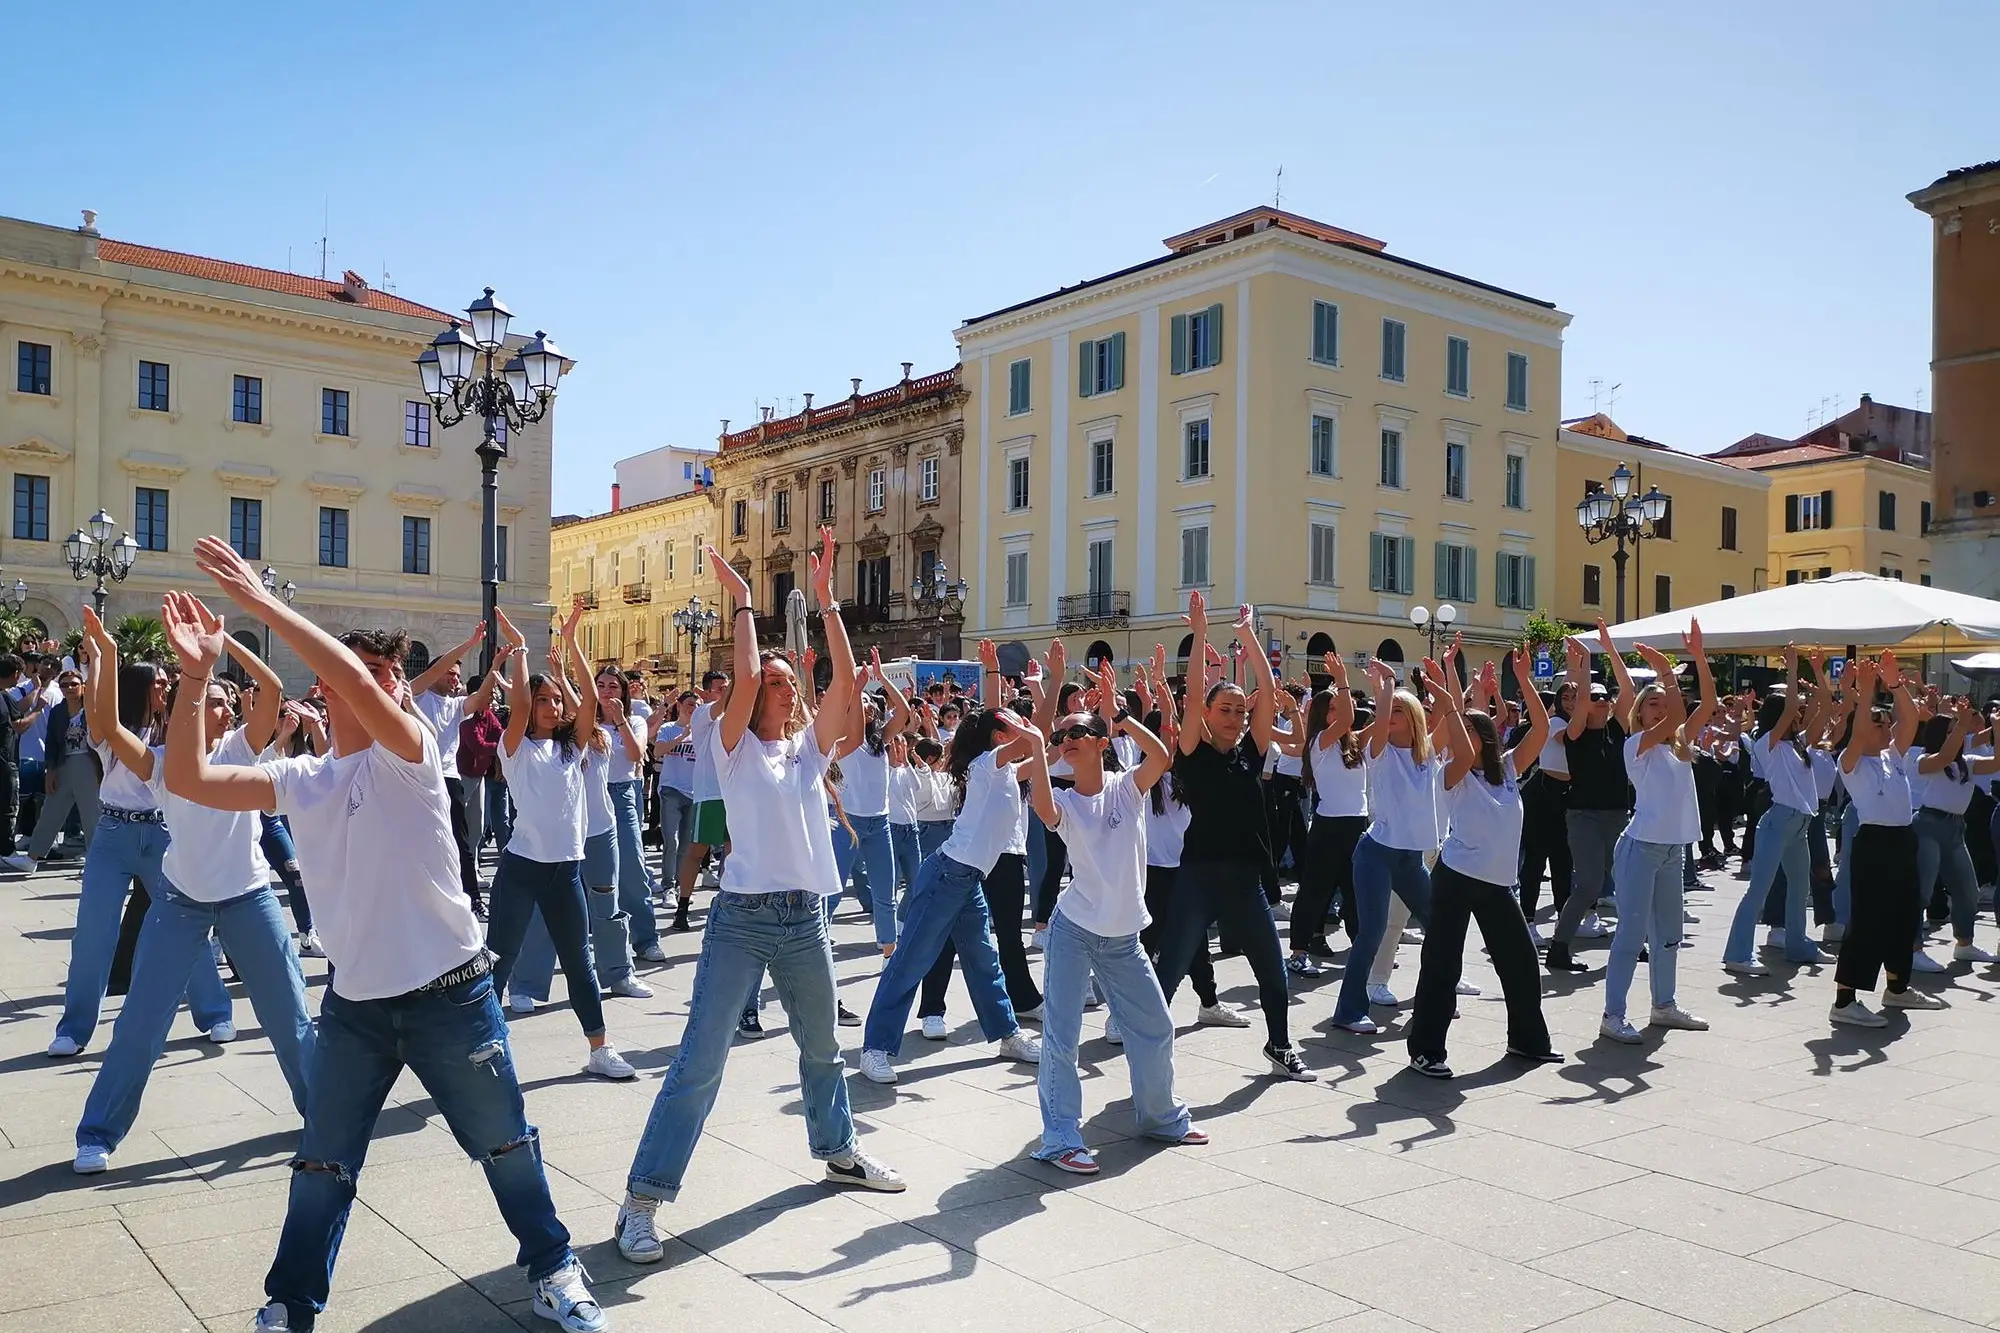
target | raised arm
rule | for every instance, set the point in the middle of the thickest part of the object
(434, 674)
(1537, 735)
(1704, 680)
(196, 635)
(833, 718)
(1622, 705)
(1449, 729)
(899, 719)
(1954, 744)
(1792, 699)
(575, 664)
(1263, 682)
(1376, 738)
(1340, 715)
(105, 728)
(1865, 674)
(1041, 792)
(1154, 757)
(1195, 695)
(1903, 689)
(1579, 689)
(513, 660)
(1674, 714)
(260, 721)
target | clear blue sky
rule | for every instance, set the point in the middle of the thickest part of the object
(712, 206)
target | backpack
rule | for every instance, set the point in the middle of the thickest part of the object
(479, 743)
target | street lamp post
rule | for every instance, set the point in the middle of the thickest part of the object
(92, 554)
(1434, 625)
(460, 379)
(697, 622)
(14, 597)
(287, 590)
(1618, 515)
(939, 596)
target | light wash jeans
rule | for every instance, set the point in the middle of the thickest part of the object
(746, 934)
(931, 835)
(1378, 871)
(1941, 848)
(676, 832)
(875, 859)
(946, 903)
(635, 884)
(1781, 841)
(1125, 978)
(1843, 878)
(1647, 885)
(172, 944)
(903, 841)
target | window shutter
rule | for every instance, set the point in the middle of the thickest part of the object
(1440, 560)
(1500, 580)
(1526, 593)
(1086, 368)
(1214, 339)
(1826, 509)
(1791, 513)
(1117, 359)
(1408, 583)
(1471, 574)
(1375, 562)
(1319, 330)
(1178, 337)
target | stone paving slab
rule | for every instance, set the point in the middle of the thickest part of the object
(1773, 1174)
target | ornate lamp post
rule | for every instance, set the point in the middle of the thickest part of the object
(14, 597)
(939, 596)
(1618, 515)
(697, 622)
(1434, 625)
(461, 381)
(92, 554)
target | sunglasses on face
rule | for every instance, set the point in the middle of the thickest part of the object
(1078, 733)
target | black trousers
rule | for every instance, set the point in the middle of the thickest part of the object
(1159, 898)
(461, 832)
(1882, 926)
(1232, 893)
(1326, 873)
(1006, 890)
(1456, 900)
(10, 799)
(1729, 801)
(1707, 780)
(1282, 797)
(1544, 842)
(1756, 800)
(1055, 860)
(137, 904)
(1978, 834)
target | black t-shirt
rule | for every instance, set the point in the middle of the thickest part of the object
(1597, 778)
(11, 711)
(1224, 792)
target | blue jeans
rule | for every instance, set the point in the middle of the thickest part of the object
(676, 832)
(931, 835)
(1378, 871)
(499, 811)
(120, 852)
(173, 943)
(745, 935)
(1843, 878)
(1941, 849)
(1781, 841)
(1647, 886)
(283, 856)
(1125, 976)
(520, 886)
(635, 887)
(455, 1041)
(945, 903)
(875, 858)
(903, 841)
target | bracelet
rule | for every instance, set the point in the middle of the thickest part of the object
(185, 678)
(830, 609)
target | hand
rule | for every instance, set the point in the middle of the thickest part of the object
(511, 636)
(1246, 621)
(989, 655)
(1576, 655)
(194, 632)
(1058, 660)
(807, 661)
(232, 573)
(727, 576)
(1489, 679)
(1658, 661)
(611, 713)
(575, 619)
(1524, 675)
(821, 565)
(875, 664)
(1694, 642)
(1892, 672)
(1337, 669)
(556, 655)
(1197, 612)
(1604, 637)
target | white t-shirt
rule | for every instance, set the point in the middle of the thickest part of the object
(937, 796)
(624, 768)
(1484, 839)
(597, 816)
(1879, 786)
(1340, 790)
(1664, 808)
(902, 794)
(864, 786)
(444, 712)
(1106, 838)
(548, 800)
(1166, 829)
(1286, 765)
(381, 866)
(707, 783)
(34, 741)
(780, 839)
(122, 789)
(213, 855)
(677, 765)
(993, 817)
(1555, 750)
(1402, 799)
(1790, 777)
(1937, 791)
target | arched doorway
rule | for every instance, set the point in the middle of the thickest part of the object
(417, 660)
(1181, 654)
(250, 639)
(1098, 654)
(1509, 687)
(1317, 647)
(1390, 651)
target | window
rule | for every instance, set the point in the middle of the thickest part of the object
(1323, 456)
(1924, 520)
(1100, 575)
(500, 552)
(670, 559)
(1394, 337)
(153, 387)
(417, 425)
(1455, 572)
(500, 431)
(1665, 527)
(871, 581)
(1728, 591)
(1392, 563)
(1794, 576)
(700, 557)
(878, 489)
(1885, 510)
(1392, 457)
(246, 527)
(1103, 473)
(927, 566)
(1017, 578)
(1728, 528)
(1889, 573)
(149, 518)
(616, 557)
(1326, 333)
(1454, 470)
(781, 589)
(333, 540)
(1517, 381)
(1514, 581)
(1593, 585)
(1808, 513)
(1458, 367)
(1924, 579)
(333, 411)
(1320, 549)
(828, 491)
(1197, 340)
(781, 509)
(1017, 483)
(1663, 594)
(1019, 396)
(927, 479)
(1194, 557)
(687, 471)
(246, 400)
(1516, 496)
(417, 545)
(31, 508)
(1100, 365)
(739, 518)
(1194, 457)
(34, 367)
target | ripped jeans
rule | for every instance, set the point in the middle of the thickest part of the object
(455, 1041)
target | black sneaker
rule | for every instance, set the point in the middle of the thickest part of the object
(681, 923)
(1288, 1064)
(1558, 959)
(844, 1016)
(1302, 965)
(1536, 1057)
(748, 1025)
(1429, 1067)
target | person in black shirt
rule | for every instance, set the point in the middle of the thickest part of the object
(1226, 858)
(1600, 803)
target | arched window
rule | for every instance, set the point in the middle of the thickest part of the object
(1389, 651)
(1100, 653)
(1317, 647)
(418, 659)
(1181, 653)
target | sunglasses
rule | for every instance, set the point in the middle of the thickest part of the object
(1079, 733)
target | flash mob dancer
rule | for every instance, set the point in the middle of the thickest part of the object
(1941, 774)
(440, 696)
(69, 773)
(711, 822)
(1600, 803)
(770, 914)
(410, 984)
(1339, 785)
(673, 753)
(1545, 811)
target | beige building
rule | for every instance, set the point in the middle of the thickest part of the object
(634, 567)
(1273, 411)
(189, 396)
(882, 469)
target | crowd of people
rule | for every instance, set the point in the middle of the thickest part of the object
(1126, 818)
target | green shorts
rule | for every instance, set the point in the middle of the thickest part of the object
(711, 826)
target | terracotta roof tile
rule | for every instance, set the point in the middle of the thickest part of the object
(265, 279)
(1789, 457)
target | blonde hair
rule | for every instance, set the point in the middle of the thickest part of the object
(1420, 727)
(1678, 742)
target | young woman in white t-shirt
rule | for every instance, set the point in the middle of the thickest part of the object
(1337, 781)
(1942, 773)
(1646, 864)
(625, 782)
(1474, 876)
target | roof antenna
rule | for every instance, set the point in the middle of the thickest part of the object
(324, 214)
(1596, 394)
(1611, 399)
(1278, 192)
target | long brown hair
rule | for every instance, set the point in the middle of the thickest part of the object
(1492, 764)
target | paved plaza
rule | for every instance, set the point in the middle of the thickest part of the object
(1772, 1174)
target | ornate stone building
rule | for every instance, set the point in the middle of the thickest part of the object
(882, 470)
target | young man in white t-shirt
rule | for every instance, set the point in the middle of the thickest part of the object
(411, 984)
(711, 825)
(439, 694)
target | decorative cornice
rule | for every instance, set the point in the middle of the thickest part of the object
(849, 464)
(418, 496)
(328, 485)
(144, 463)
(928, 530)
(36, 449)
(253, 475)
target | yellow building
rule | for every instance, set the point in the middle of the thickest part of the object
(1275, 411)
(189, 396)
(634, 567)
(1833, 510)
(1710, 544)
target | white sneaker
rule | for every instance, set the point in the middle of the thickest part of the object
(1910, 999)
(1856, 1014)
(222, 1032)
(631, 988)
(1040, 939)
(1818, 958)
(1592, 928)
(92, 1160)
(1467, 988)
(563, 1298)
(1033, 1015)
(1383, 996)
(1091, 999)
(1536, 935)
(858, 1168)
(21, 864)
(1215, 1016)
(1619, 1029)
(1752, 968)
(521, 1004)
(1774, 938)
(1111, 1032)
(1923, 962)
(62, 1048)
(1972, 953)
(273, 1318)
(1364, 1026)
(637, 1235)
(1023, 1046)
(653, 953)
(1282, 912)
(875, 1067)
(1411, 935)
(1673, 1016)
(934, 1028)
(309, 945)
(605, 1062)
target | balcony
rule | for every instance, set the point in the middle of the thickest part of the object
(771, 630)
(862, 615)
(1084, 610)
(638, 594)
(588, 599)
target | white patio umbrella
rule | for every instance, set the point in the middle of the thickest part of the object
(1853, 608)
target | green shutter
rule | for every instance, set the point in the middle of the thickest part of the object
(1826, 509)
(1526, 594)
(1440, 568)
(1179, 365)
(1214, 335)
(1375, 562)
(1408, 583)
(1502, 585)
(1791, 513)
(1471, 566)
(1086, 367)
(1117, 359)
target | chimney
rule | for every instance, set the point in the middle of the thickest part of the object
(354, 287)
(614, 497)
